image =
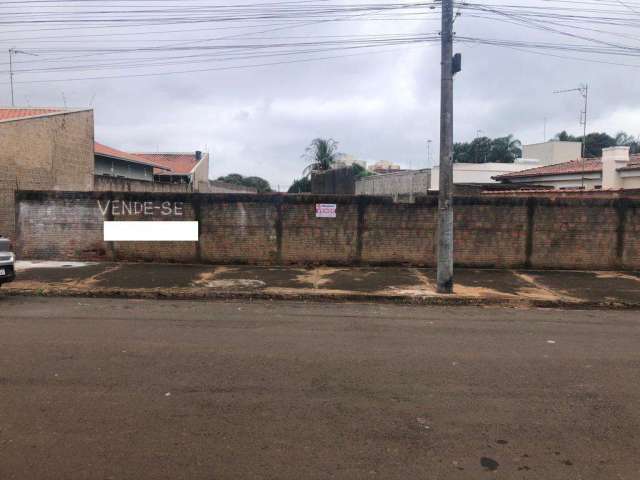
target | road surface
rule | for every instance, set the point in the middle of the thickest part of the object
(128, 389)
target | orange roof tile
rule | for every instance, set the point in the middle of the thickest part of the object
(100, 149)
(634, 163)
(175, 163)
(16, 113)
(574, 166)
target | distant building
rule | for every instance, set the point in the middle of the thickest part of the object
(552, 152)
(189, 167)
(479, 173)
(616, 170)
(346, 160)
(533, 156)
(402, 183)
(336, 181)
(111, 162)
(383, 166)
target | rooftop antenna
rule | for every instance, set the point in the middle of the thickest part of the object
(583, 89)
(475, 150)
(12, 52)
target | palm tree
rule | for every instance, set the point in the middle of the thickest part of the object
(321, 154)
(515, 147)
(505, 149)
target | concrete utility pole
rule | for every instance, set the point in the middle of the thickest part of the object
(445, 194)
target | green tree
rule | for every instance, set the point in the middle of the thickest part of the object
(505, 150)
(359, 171)
(485, 149)
(320, 155)
(563, 136)
(258, 183)
(300, 185)
(594, 143)
(625, 140)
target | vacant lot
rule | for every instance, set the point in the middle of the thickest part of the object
(115, 389)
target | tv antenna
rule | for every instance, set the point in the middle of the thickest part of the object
(583, 89)
(12, 53)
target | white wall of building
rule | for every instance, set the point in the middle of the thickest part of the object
(480, 172)
(614, 176)
(613, 159)
(552, 152)
(630, 179)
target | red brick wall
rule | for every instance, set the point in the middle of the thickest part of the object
(306, 238)
(575, 235)
(60, 226)
(278, 229)
(488, 234)
(237, 231)
(399, 233)
(156, 251)
(631, 236)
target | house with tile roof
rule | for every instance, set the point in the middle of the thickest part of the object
(533, 156)
(34, 122)
(616, 170)
(179, 167)
(112, 162)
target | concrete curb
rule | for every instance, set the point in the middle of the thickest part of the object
(207, 294)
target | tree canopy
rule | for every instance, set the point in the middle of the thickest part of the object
(596, 141)
(485, 149)
(258, 183)
(303, 185)
(300, 185)
(360, 171)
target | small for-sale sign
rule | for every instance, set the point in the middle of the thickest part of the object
(325, 210)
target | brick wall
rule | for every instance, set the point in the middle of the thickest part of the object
(397, 183)
(216, 186)
(46, 153)
(113, 184)
(629, 234)
(337, 181)
(281, 229)
(306, 238)
(104, 183)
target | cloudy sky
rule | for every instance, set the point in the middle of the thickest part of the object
(263, 79)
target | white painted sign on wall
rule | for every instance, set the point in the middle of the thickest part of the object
(325, 210)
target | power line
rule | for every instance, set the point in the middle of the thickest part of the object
(628, 6)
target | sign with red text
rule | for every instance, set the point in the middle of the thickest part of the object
(325, 210)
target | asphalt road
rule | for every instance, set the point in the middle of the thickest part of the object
(125, 389)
